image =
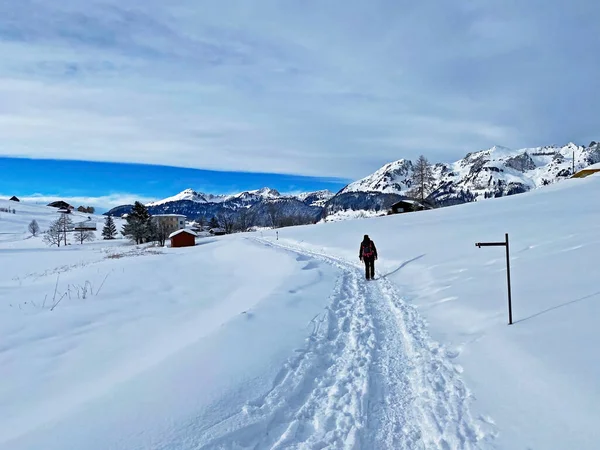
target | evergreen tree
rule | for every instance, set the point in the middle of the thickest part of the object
(110, 230)
(422, 178)
(151, 231)
(138, 225)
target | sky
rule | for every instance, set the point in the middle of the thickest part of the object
(325, 89)
(105, 185)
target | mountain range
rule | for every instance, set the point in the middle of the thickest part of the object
(495, 172)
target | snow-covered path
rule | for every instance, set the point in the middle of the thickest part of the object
(369, 377)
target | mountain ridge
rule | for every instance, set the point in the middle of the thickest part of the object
(494, 172)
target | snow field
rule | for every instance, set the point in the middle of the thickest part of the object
(534, 382)
(395, 387)
(266, 343)
(94, 363)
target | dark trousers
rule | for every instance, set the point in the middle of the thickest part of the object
(369, 267)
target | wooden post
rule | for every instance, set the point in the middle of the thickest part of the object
(505, 244)
(510, 321)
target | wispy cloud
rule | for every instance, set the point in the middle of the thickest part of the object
(318, 88)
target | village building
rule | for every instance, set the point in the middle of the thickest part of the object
(170, 222)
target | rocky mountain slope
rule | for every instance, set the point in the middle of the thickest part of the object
(494, 172)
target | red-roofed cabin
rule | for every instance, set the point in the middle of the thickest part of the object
(183, 238)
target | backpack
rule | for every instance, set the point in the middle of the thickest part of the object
(368, 250)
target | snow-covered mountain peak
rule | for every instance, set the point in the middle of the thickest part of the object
(492, 172)
(317, 198)
(264, 193)
(322, 193)
(187, 194)
(267, 192)
(392, 178)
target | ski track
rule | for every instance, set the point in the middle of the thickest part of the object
(369, 377)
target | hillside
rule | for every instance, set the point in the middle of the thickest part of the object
(495, 172)
(533, 383)
(14, 227)
(296, 349)
(194, 348)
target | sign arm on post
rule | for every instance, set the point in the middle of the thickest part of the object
(502, 244)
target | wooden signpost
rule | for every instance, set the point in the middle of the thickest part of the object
(504, 244)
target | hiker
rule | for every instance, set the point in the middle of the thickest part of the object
(368, 255)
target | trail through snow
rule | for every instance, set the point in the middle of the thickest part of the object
(368, 377)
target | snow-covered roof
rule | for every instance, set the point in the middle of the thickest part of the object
(168, 215)
(184, 230)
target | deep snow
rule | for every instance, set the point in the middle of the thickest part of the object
(249, 341)
(536, 380)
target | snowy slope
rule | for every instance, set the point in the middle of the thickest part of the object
(317, 198)
(534, 381)
(393, 178)
(195, 348)
(14, 227)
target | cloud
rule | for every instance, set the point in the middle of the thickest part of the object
(319, 88)
(101, 203)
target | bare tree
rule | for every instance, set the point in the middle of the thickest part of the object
(227, 221)
(162, 234)
(84, 235)
(53, 235)
(244, 220)
(273, 213)
(34, 228)
(65, 225)
(201, 221)
(422, 178)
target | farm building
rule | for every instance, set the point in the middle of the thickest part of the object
(408, 205)
(595, 168)
(87, 225)
(183, 238)
(61, 205)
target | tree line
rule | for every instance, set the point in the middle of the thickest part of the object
(56, 234)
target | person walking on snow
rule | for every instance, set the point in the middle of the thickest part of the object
(368, 255)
